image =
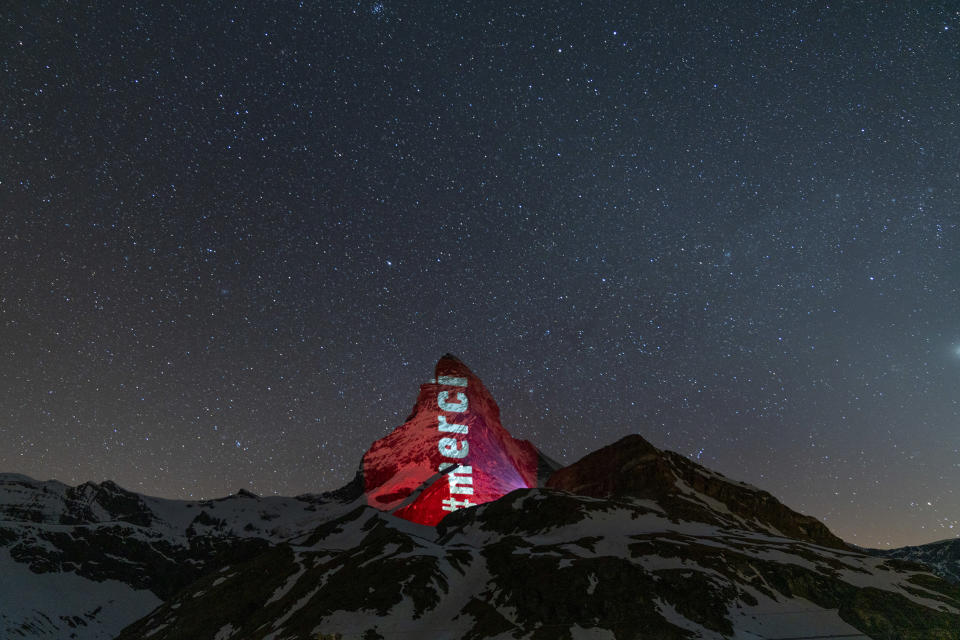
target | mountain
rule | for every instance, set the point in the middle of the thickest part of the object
(451, 452)
(635, 468)
(651, 546)
(942, 557)
(84, 562)
(629, 542)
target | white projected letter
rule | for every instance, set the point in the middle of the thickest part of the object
(453, 381)
(452, 504)
(450, 427)
(456, 407)
(459, 478)
(451, 448)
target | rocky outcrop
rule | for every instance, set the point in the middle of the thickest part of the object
(942, 557)
(632, 467)
(546, 564)
(450, 453)
(629, 542)
(112, 555)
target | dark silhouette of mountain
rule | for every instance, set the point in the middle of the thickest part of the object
(942, 557)
(633, 467)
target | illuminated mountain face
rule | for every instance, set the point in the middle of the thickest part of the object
(451, 453)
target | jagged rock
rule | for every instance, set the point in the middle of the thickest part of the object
(545, 564)
(451, 452)
(942, 557)
(635, 468)
(85, 561)
(628, 543)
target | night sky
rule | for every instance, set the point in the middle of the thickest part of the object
(235, 239)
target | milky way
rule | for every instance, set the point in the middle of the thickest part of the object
(237, 238)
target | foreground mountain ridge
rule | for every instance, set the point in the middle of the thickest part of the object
(534, 563)
(670, 561)
(943, 557)
(85, 561)
(628, 542)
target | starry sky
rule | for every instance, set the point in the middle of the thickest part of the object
(236, 237)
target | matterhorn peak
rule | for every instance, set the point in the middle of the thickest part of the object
(452, 452)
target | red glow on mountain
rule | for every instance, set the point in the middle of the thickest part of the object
(451, 453)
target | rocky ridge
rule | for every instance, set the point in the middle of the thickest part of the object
(86, 561)
(548, 564)
(629, 542)
(942, 557)
(633, 467)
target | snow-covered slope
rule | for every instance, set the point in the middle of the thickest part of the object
(83, 562)
(942, 557)
(629, 542)
(541, 563)
(59, 605)
(658, 548)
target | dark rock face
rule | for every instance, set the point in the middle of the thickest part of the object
(49, 502)
(452, 452)
(133, 550)
(326, 570)
(943, 557)
(632, 467)
(124, 506)
(115, 553)
(545, 564)
(105, 532)
(630, 542)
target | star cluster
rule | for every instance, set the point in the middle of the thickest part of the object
(236, 237)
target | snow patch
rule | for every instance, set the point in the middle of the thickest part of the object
(674, 617)
(591, 633)
(43, 602)
(299, 604)
(593, 583)
(285, 588)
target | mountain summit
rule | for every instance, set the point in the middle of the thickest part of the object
(450, 453)
(632, 467)
(492, 542)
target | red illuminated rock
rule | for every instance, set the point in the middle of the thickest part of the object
(451, 453)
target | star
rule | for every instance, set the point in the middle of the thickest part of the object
(264, 224)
